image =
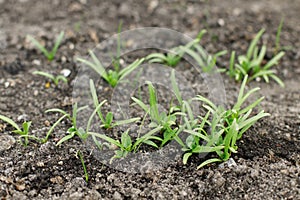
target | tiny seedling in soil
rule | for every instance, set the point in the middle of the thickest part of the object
(23, 132)
(226, 127)
(252, 65)
(174, 57)
(126, 144)
(55, 79)
(49, 54)
(107, 121)
(112, 77)
(73, 130)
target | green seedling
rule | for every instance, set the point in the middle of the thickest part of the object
(112, 77)
(72, 131)
(126, 144)
(55, 79)
(174, 57)
(201, 141)
(23, 132)
(165, 120)
(107, 121)
(49, 54)
(116, 60)
(79, 154)
(206, 62)
(252, 65)
(232, 123)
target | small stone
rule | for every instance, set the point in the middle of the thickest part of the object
(40, 164)
(93, 36)
(47, 123)
(152, 5)
(23, 118)
(60, 163)
(20, 185)
(36, 62)
(117, 196)
(236, 11)
(57, 180)
(221, 22)
(6, 84)
(63, 59)
(65, 72)
(229, 163)
(71, 46)
(75, 7)
(35, 92)
(6, 142)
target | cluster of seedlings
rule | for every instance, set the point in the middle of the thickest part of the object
(215, 132)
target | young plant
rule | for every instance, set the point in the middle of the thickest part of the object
(55, 79)
(112, 77)
(23, 132)
(173, 58)
(201, 140)
(116, 60)
(49, 54)
(126, 144)
(73, 130)
(206, 62)
(252, 65)
(107, 121)
(226, 128)
(79, 154)
(165, 120)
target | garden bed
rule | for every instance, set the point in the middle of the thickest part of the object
(267, 164)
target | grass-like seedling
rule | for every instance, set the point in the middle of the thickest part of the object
(116, 60)
(232, 123)
(23, 132)
(49, 54)
(165, 120)
(173, 58)
(112, 77)
(79, 154)
(72, 131)
(206, 62)
(55, 79)
(252, 63)
(107, 121)
(126, 144)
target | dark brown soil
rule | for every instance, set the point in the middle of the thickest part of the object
(268, 158)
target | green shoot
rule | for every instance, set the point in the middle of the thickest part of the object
(277, 40)
(126, 144)
(55, 79)
(49, 54)
(252, 65)
(23, 132)
(79, 154)
(107, 121)
(174, 57)
(116, 61)
(112, 77)
(165, 120)
(72, 131)
(226, 127)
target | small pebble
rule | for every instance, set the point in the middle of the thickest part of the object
(221, 22)
(6, 84)
(22, 118)
(36, 62)
(65, 72)
(35, 92)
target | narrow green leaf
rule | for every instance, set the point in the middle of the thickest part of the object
(209, 161)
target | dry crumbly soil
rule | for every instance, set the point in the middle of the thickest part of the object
(268, 158)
